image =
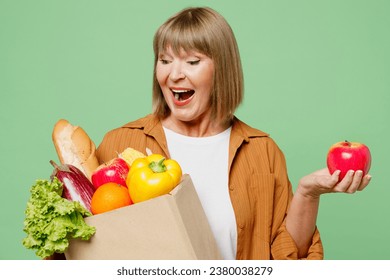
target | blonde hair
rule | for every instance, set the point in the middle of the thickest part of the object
(206, 31)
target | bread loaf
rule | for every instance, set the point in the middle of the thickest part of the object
(75, 147)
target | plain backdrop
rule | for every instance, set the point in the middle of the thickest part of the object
(316, 72)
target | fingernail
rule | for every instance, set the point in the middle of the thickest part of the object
(359, 173)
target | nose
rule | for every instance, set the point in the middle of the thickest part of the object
(177, 73)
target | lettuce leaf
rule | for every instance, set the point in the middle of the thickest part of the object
(51, 220)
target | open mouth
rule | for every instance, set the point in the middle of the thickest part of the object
(182, 95)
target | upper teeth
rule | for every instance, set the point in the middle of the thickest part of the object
(180, 91)
(177, 92)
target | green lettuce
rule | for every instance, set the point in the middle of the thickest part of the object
(51, 220)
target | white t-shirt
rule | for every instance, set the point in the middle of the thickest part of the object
(205, 159)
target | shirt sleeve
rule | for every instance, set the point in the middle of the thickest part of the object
(283, 246)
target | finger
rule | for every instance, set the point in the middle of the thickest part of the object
(345, 182)
(327, 181)
(335, 176)
(356, 182)
(322, 172)
(365, 181)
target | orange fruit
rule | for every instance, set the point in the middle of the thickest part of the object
(109, 196)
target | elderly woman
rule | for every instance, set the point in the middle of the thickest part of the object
(238, 171)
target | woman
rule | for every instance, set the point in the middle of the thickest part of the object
(238, 171)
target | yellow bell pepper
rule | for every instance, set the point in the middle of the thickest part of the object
(152, 176)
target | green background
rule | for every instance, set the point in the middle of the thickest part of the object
(316, 72)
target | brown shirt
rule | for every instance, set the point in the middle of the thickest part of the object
(259, 187)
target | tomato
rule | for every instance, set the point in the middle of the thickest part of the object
(152, 176)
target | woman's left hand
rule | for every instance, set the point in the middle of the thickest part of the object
(321, 181)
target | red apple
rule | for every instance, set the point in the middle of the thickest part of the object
(114, 171)
(345, 156)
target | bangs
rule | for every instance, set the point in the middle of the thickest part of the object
(186, 32)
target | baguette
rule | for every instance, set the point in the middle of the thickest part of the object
(73, 146)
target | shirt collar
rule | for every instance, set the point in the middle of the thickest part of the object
(245, 131)
(152, 125)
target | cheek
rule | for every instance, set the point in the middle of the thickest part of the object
(207, 77)
(160, 75)
(207, 83)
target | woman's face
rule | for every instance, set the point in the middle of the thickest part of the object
(186, 80)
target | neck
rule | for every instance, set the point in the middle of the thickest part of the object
(195, 128)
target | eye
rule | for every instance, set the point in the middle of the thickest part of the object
(194, 62)
(164, 61)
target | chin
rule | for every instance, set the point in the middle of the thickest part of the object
(182, 116)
